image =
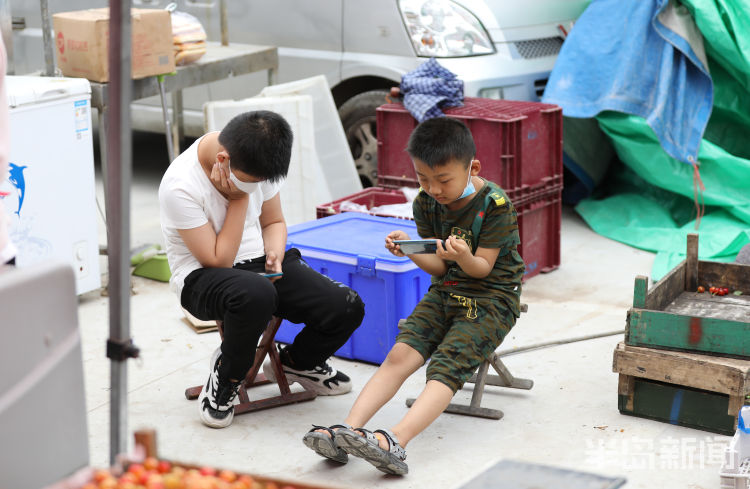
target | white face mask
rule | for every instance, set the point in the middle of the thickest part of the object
(247, 187)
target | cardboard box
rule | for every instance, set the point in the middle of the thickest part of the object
(82, 39)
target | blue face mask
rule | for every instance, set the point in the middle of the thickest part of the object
(469, 188)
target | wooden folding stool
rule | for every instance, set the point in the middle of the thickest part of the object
(481, 378)
(255, 377)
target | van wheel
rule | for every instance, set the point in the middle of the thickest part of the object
(358, 118)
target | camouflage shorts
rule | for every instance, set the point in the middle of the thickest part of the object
(456, 333)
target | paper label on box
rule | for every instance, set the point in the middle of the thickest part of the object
(82, 115)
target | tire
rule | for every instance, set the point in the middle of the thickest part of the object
(358, 118)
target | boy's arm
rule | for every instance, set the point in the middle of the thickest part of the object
(477, 265)
(429, 263)
(273, 227)
(499, 231)
(218, 250)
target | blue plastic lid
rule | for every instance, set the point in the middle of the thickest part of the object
(347, 236)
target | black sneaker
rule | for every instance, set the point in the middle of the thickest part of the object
(216, 401)
(323, 379)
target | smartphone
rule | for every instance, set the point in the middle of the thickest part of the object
(417, 246)
(270, 275)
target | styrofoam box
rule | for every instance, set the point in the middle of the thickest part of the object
(350, 249)
(305, 185)
(330, 141)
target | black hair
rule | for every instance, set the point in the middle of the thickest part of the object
(259, 143)
(438, 141)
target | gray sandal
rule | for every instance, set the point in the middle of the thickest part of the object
(324, 444)
(366, 446)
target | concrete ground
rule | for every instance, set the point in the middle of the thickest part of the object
(569, 419)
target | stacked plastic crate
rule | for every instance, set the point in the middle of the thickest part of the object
(520, 147)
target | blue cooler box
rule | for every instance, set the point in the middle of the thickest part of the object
(350, 248)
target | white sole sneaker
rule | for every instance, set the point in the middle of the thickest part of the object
(210, 416)
(318, 380)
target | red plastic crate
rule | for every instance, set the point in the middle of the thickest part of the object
(539, 228)
(377, 196)
(371, 197)
(518, 143)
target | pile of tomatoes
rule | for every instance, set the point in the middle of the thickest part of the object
(160, 474)
(714, 290)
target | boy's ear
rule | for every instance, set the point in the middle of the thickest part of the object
(476, 166)
(222, 156)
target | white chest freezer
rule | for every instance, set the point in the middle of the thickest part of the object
(51, 207)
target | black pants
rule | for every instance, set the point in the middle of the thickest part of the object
(245, 301)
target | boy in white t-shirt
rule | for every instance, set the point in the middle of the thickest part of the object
(223, 225)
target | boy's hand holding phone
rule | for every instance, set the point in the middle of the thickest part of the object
(455, 249)
(391, 246)
(273, 266)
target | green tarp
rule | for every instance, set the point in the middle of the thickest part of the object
(649, 202)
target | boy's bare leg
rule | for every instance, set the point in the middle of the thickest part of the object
(401, 362)
(428, 406)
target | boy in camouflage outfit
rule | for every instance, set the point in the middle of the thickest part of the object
(472, 303)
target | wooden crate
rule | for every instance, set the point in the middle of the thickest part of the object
(689, 389)
(145, 441)
(673, 315)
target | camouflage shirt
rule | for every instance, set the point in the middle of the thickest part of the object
(499, 229)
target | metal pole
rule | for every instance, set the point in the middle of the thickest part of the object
(6, 27)
(223, 21)
(49, 60)
(165, 115)
(119, 161)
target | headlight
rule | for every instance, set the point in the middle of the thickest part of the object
(444, 29)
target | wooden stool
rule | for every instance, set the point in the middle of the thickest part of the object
(503, 379)
(255, 377)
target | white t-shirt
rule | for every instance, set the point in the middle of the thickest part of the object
(188, 199)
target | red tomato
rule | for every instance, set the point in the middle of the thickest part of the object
(207, 471)
(150, 463)
(128, 477)
(712, 290)
(172, 481)
(246, 479)
(701, 289)
(101, 474)
(227, 476)
(164, 467)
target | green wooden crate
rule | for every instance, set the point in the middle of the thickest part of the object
(675, 404)
(673, 315)
(689, 389)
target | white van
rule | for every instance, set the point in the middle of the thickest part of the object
(499, 48)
